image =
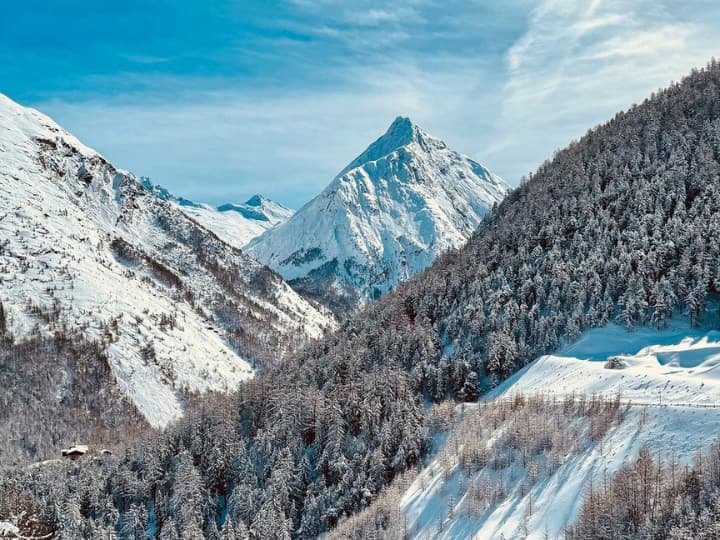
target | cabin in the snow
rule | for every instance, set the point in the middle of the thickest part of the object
(75, 452)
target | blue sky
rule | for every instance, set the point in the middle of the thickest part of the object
(220, 100)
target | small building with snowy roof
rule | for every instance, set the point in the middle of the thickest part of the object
(74, 452)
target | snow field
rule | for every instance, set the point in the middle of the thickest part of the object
(669, 402)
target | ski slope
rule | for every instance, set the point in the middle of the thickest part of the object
(669, 387)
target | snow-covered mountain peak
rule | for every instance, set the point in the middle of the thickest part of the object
(387, 215)
(234, 223)
(257, 200)
(259, 208)
(401, 133)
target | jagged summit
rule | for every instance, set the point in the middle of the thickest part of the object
(402, 132)
(256, 200)
(387, 215)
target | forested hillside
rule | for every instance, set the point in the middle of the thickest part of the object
(650, 498)
(519, 462)
(622, 225)
(56, 391)
(277, 460)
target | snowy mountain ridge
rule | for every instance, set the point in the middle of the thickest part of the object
(386, 216)
(86, 246)
(234, 223)
(259, 208)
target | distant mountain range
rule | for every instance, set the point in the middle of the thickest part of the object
(234, 223)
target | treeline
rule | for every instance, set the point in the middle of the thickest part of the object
(655, 497)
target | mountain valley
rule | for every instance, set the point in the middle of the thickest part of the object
(86, 248)
(427, 354)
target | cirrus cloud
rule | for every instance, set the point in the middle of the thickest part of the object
(222, 102)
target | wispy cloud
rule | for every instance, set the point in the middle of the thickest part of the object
(671, 37)
(279, 100)
(230, 143)
(287, 127)
(577, 64)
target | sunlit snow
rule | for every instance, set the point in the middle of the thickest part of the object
(669, 387)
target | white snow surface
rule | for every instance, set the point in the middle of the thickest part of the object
(238, 223)
(386, 216)
(671, 383)
(234, 223)
(61, 206)
(8, 530)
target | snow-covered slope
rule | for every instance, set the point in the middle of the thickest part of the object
(669, 387)
(83, 245)
(234, 223)
(260, 209)
(238, 224)
(678, 365)
(385, 217)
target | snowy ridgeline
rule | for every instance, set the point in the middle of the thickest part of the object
(238, 224)
(83, 246)
(234, 223)
(519, 464)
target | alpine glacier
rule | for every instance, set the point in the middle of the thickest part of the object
(83, 245)
(386, 216)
